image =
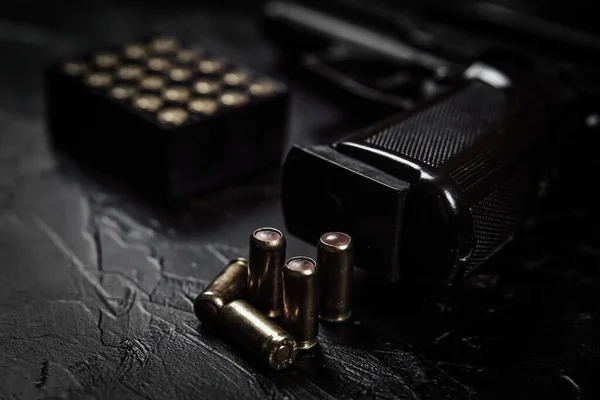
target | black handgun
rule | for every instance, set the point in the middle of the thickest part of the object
(431, 193)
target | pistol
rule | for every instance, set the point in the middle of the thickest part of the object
(432, 192)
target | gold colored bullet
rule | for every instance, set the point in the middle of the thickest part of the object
(177, 94)
(206, 86)
(204, 106)
(158, 64)
(257, 333)
(179, 74)
(74, 68)
(335, 257)
(228, 286)
(210, 66)
(236, 78)
(265, 263)
(262, 88)
(163, 45)
(135, 52)
(122, 92)
(130, 72)
(99, 79)
(186, 56)
(233, 98)
(106, 60)
(147, 102)
(300, 311)
(152, 82)
(172, 115)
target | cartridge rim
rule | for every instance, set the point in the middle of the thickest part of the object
(339, 319)
(207, 308)
(239, 260)
(274, 313)
(335, 241)
(301, 266)
(209, 303)
(308, 344)
(261, 241)
(282, 352)
(247, 325)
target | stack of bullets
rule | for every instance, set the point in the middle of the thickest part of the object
(171, 83)
(249, 293)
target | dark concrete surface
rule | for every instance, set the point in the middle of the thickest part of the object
(96, 289)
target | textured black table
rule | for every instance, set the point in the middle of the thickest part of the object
(96, 287)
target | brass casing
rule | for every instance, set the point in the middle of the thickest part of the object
(206, 106)
(135, 52)
(106, 60)
(335, 257)
(300, 311)
(210, 66)
(257, 333)
(122, 92)
(172, 115)
(228, 286)
(233, 98)
(206, 86)
(236, 78)
(262, 88)
(177, 94)
(265, 263)
(162, 45)
(180, 74)
(99, 79)
(147, 102)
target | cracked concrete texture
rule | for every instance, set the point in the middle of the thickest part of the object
(98, 302)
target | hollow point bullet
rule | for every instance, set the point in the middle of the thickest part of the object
(267, 340)
(228, 286)
(335, 255)
(300, 311)
(266, 259)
